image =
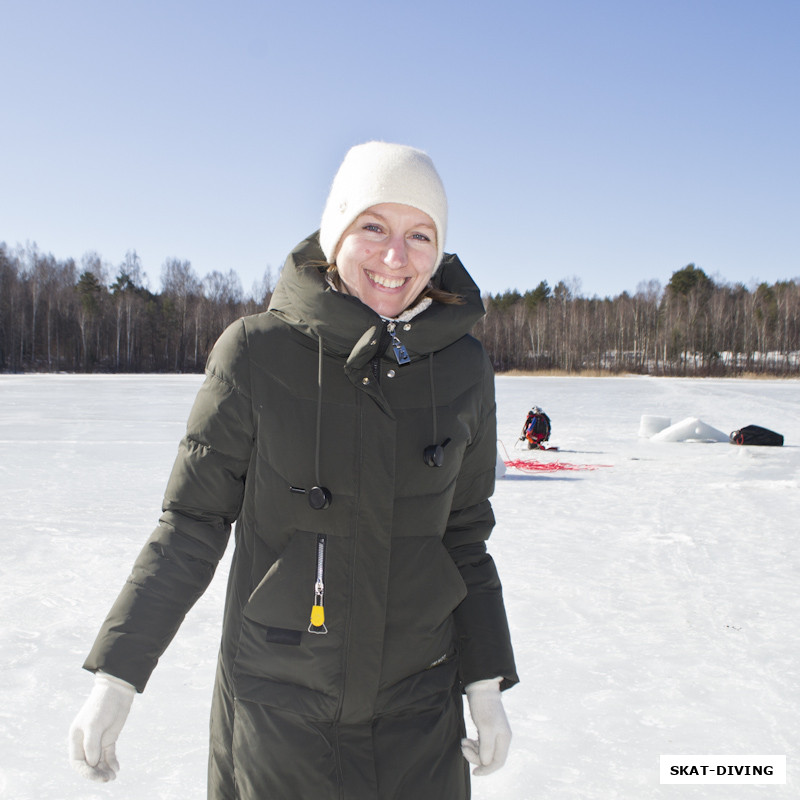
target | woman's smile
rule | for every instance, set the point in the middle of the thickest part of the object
(385, 281)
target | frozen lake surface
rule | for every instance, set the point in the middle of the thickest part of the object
(653, 600)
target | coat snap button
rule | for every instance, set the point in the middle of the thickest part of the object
(407, 326)
(365, 381)
(391, 373)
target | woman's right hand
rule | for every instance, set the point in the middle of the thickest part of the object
(93, 734)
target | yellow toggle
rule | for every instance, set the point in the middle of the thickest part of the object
(318, 616)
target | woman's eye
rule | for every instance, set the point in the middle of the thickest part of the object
(372, 226)
(421, 237)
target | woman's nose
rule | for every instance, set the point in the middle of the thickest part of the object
(396, 253)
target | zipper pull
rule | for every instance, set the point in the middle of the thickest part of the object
(318, 612)
(400, 352)
(317, 623)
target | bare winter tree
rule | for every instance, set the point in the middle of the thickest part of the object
(182, 290)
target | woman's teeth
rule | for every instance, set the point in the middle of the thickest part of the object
(388, 283)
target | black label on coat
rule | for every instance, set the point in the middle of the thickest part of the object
(283, 636)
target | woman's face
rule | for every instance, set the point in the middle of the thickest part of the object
(387, 256)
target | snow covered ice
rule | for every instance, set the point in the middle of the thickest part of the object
(653, 600)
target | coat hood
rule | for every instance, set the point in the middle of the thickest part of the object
(347, 327)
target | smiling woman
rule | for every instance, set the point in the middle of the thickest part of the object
(362, 602)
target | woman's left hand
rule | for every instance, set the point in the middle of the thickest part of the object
(490, 750)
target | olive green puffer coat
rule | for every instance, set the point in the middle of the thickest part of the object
(364, 699)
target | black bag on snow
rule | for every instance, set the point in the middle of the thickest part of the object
(755, 434)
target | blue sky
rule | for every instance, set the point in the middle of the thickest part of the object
(601, 143)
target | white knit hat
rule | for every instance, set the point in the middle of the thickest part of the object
(379, 172)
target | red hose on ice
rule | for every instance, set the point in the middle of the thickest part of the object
(549, 466)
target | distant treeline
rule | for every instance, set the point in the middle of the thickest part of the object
(691, 327)
(61, 316)
(92, 317)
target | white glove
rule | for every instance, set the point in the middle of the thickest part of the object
(93, 734)
(490, 750)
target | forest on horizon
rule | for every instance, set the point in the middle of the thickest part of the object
(90, 316)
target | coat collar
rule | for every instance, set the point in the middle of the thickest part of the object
(349, 328)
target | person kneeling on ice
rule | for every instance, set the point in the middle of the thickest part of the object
(350, 433)
(536, 429)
